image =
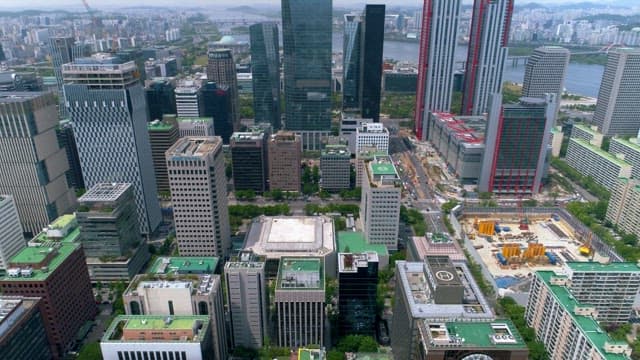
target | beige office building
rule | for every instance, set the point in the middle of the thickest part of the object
(199, 195)
(285, 156)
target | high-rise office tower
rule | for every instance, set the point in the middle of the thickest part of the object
(299, 301)
(161, 98)
(285, 157)
(33, 165)
(162, 135)
(63, 50)
(307, 68)
(197, 174)
(247, 300)
(11, 237)
(435, 69)
(380, 207)
(265, 70)
(188, 99)
(545, 71)
(357, 286)
(335, 167)
(2, 56)
(487, 54)
(67, 141)
(517, 138)
(216, 104)
(108, 110)
(362, 51)
(58, 274)
(249, 160)
(618, 106)
(221, 69)
(22, 334)
(197, 126)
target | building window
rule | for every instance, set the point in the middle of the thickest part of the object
(171, 312)
(135, 308)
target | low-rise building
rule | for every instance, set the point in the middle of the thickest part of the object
(590, 160)
(276, 237)
(587, 133)
(195, 126)
(460, 142)
(380, 208)
(567, 326)
(372, 134)
(299, 301)
(22, 332)
(434, 244)
(158, 337)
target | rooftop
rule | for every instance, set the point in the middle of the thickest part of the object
(632, 142)
(18, 96)
(103, 192)
(466, 129)
(181, 119)
(413, 276)
(191, 146)
(587, 324)
(586, 128)
(494, 334)
(355, 242)
(298, 273)
(595, 149)
(247, 136)
(31, 256)
(159, 125)
(277, 236)
(12, 309)
(336, 150)
(157, 323)
(381, 171)
(588, 266)
(350, 262)
(184, 265)
(310, 354)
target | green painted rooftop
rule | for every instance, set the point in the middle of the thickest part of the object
(383, 169)
(35, 254)
(153, 322)
(601, 152)
(300, 265)
(627, 142)
(611, 267)
(159, 126)
(184, 265)
(71, 237)
(63, 221)
(585, 128)
(588, 326)
(478, 334)
(309, 354)
(357, 243)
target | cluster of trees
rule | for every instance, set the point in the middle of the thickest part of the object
(310, 180)
(398, 106)
(476, 272)
(343, 209)
(414, 218)
(586, 182)
(245, 105)
(581, 107)
(238, 213)
(515, 312)
(353, 194)
(165, 248)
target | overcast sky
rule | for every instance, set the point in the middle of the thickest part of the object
(98, 4)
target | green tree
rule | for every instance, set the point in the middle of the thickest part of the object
(335, 355)
(368, 344)
(90, 351)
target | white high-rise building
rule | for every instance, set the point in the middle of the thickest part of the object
(199, 195)
(487, 53)
(439, 31)
(188, 98)
(618, 106)
(11, 239)
(108, 110)
(370, 135)
(195, 126)
(247, 300)
(545, 72)
(380, 208)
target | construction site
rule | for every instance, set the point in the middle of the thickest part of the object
(513, 245)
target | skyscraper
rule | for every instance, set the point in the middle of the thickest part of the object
(196, 174)
(545, 71)
(108, 110)
(221, 69)
(32, 164)
(162, 135)
(517, 137)
(22, 334)
(161, 98)
(249, 160)
(306, 34)
(435, 70)
(265, 68)
(11, 238)
(247, 300)
(362, 56)
(188, 99)
(618, 106)
(487, 53)
(335, 167)
(67, 141)
(285, 157)
(380, 207)
(357, 286)
(63, 50)
(216, 104)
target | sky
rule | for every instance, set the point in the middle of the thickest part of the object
(77, 4)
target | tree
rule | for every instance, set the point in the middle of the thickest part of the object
(335, 355)
(246, 195)
(485, 195)
(90, 351)
(368, 344)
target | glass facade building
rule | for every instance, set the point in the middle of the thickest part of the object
(306, 28)
(216, 103)
(161, 98)
(265, 68)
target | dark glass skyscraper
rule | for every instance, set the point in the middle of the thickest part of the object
(216, 103)
(67, 140)
(357, 286)
(265, 67)
(306, 33)
(362, 50)
(161, 98)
